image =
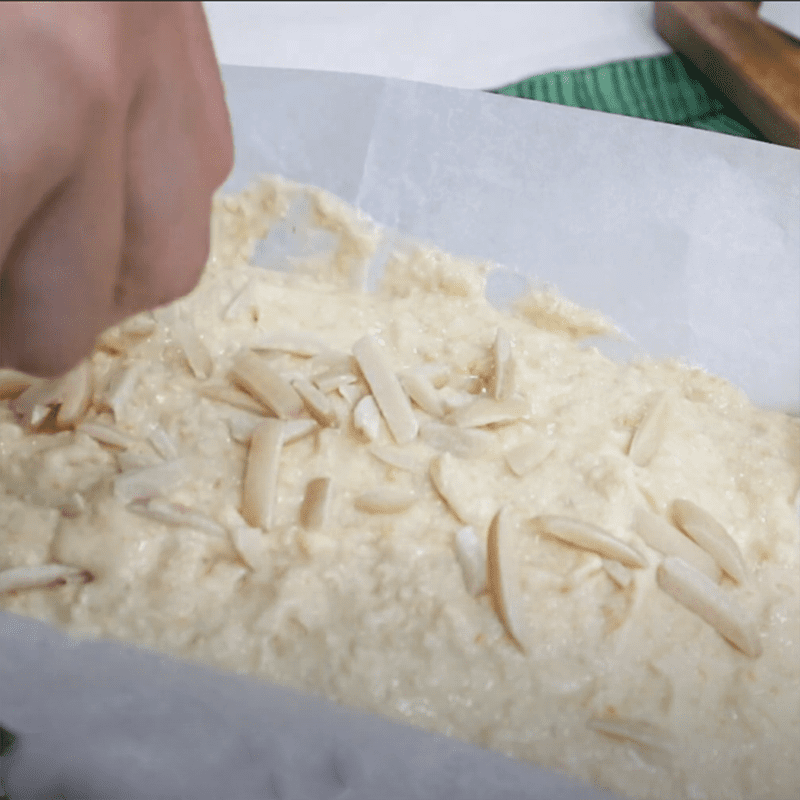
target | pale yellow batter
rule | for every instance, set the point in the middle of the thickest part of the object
(372, 590)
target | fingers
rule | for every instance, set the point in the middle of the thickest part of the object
(214, 108)
(57, 291)
(61, 217)
(42, 123)
(111, 213)
(167, 205)
(179, 150)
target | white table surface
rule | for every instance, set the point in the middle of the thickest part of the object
(460, 45)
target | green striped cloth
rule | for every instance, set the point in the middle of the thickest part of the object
(665, 88)
(6, 740)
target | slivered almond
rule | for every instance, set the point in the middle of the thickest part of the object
(350, 393)
(503, 578)
(13, 383)
(453, 399)
(589, 537)
(332, 379)
(386, 389)
(74, 393)
(267, 386)
(423, 393)
(43, 576)
(650, 433)
(485, 411)
(316, 503)
(710, 602)
(279, 365)
(120, 337)
(32, 406)
(526, 457)
(194, 350)
(638, 731)
(242, 301)
(162, 443)
(619, 574)
(252, 547)
(332, 369)
(140, 326)
(367, 417)
(242, 424)
(132, 460)
(295, 343)
(327, 443)
(445, 481)
(318, 405)
(46, 398)
(150, 481)
(334, 362)
(261, 475)
(118, 394)
(504, 366)
(107, 435)
(175, 514)
(471, 554)
(296, 429)
(395, 457)
(669, 541)
(233, 397)
(461, 442)
(341, 410)
(112, 341)
(385, 501)
(711, 536)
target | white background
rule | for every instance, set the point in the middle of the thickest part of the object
(461, 45)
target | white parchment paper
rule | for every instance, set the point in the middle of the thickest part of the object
(689, 240)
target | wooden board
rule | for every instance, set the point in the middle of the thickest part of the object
(755, 65)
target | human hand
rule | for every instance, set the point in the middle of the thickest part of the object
(114, 135)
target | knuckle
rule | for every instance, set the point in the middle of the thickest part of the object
(225, 153)
(184, 266)
(103, 83)
(93, 51)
